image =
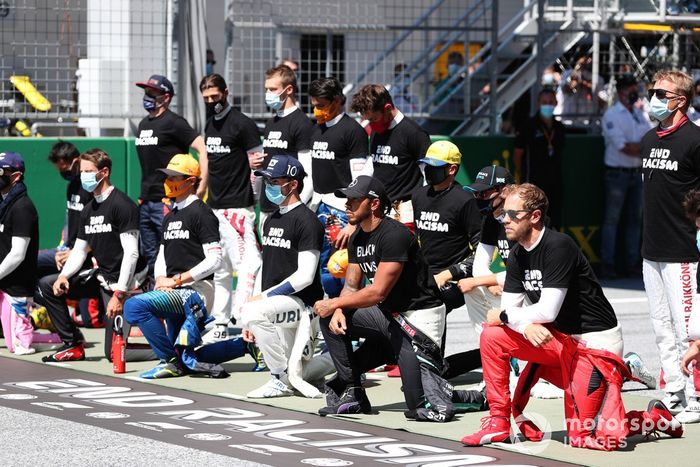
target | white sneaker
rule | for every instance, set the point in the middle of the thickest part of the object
(545, 390)
(675, 402)
(274, 387)
(216, 334)
(639, 370)
(691, 414)
(21, 350)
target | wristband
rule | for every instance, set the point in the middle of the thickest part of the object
(119, 295)
(178, 279)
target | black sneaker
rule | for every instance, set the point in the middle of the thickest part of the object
(354, 400)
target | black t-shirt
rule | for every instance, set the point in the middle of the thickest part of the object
(184, 232)
(540, 165)
(670, 168)
(445, 222)
(77, 199)
(284, 236)
(100, 226)
(228, 139)
(159, 139)
(557, 262)
(494, 234)
(331, 151)
(395, 154)
(392, 242)
(21, 220)
(285, 135)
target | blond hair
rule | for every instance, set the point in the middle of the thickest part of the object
(682, 81)
(533, 197)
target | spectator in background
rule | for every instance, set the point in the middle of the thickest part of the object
(539, 153)
(455, 74)
(400, 90)
(578, 101)
(161, 135)
(694, 110)
(211, 61)
(624, 125)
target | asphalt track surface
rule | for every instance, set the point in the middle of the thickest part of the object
(78, 419)
(57, 420)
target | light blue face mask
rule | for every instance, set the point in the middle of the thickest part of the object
(658, 108)
(89, 181)
(274, 193)
(547, 111)
(273, 100)
(697, 240)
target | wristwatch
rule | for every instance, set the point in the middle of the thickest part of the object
(119, 295)
(503, 317)
(178, 279)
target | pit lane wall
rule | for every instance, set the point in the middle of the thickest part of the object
(583, 178)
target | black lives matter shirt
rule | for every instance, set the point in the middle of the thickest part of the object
(494, 234)
(445, 222)
(557, 262)
(331, 151)
(228, 140)
(671, 168)
(284, 236)
(392, 242)
(77, 199)
(285, 135)
(184, 232)
(158, 140)
(395, 155)
(21, 220)
(100, 226)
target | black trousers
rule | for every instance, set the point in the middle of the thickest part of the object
(385, 342)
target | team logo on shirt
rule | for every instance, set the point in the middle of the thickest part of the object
(658, 159)
(431, 221)
(214, 146)
(146, 138)
(97, 225)
(273, 140)
(533, 280)
(74, 203)
(174, 231)
(383, 156)
(2, 227)
(320, 151)
(274, 238)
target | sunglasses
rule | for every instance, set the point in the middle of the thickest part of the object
(513, 213)
(662, 94)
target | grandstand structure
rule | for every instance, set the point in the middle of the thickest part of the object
(457, 66)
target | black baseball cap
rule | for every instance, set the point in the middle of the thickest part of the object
(159, 83)
(490, 177)
(283, 166)
(625, 81)
(11, 162)
(363, 186)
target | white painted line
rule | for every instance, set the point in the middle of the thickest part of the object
(628, 300)
(232, 396)
(62, 364)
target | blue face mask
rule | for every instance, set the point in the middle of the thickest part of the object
(89, 181)
(149, 103)
(547, 111)
(273, 100)
(697, 240)
(658, 108)
(274, 193)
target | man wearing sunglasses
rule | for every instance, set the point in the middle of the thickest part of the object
(623, 127)
(554, 315)
(671, 168)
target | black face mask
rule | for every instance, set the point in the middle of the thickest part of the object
(632, 97)
(68, 175)
(436, 175)
(214, 108)
(4, 182)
